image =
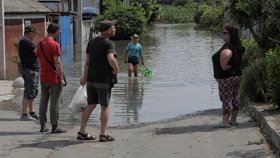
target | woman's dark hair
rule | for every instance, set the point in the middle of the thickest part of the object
(234, 34)
(52, 28)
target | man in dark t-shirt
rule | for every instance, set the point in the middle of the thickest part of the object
(29, 72)
(100, 72)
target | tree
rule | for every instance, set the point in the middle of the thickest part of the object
(152, 11)
(260, 17)
(129, 21)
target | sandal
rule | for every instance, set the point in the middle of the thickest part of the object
(105, 138)
(85, 136)
(233, 123)
(222, 125)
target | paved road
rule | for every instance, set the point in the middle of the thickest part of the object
(192, 136)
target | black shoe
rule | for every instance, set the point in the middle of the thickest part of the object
(43, 129)
(58, 130)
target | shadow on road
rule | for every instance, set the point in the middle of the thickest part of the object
(51, 144)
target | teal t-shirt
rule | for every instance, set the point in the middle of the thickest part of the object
(134, 50)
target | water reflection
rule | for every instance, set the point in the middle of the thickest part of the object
(134, 94)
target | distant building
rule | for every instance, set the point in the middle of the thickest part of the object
(18, 14)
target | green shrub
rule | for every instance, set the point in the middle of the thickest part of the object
(182, 2)
(253, 84)
(150, 8)
(207, 17)
(199, 12)
(273, 75)
(212, 18)
(108, 4)
(178, 14)
(251, 53)
(129, 21)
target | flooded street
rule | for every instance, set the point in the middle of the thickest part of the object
(182, 80)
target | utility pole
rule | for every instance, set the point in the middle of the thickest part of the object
(80, 26)
(2, 42)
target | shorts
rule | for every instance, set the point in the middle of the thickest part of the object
(133, 60)
(98, 93)
(31, 81)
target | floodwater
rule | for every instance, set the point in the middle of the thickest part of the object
(182, 80)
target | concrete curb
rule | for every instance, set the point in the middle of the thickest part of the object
(6, 92)
(268, 123)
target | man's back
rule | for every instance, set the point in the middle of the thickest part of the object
(46, 53)
(27, 55)
(99, 67)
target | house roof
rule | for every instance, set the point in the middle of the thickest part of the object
(24, 6)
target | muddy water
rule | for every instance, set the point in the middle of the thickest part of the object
(182, 80)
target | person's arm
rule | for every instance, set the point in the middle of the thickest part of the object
(58, 66)
(224, 58)
(125, 56)
(141, 55)
(113, 63)
(142, 59)
(83, 80)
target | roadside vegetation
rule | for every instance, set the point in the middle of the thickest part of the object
(178, 12)
(262, 60)
(130, 19)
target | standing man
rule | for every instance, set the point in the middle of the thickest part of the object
(29, 72)
(51, 76)
(100, 68)
(132, 54)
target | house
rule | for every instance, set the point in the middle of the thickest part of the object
(18, 14)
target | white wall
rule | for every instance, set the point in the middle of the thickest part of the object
(87, 25)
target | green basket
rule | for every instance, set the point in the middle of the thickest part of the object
(145, 71)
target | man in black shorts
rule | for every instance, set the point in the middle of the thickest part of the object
(100, 70)
(29, 72)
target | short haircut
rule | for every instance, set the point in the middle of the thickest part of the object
(52, 28)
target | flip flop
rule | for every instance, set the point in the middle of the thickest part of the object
(233, 123)
(222, 125)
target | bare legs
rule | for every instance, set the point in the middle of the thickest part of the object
(27, 105)
(104, 118)
(226, 119)
(132, 69)
(86, 114)
(233, 116)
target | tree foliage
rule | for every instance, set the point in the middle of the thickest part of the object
(261, 17)
(209, 17)
(151, 9)
(108, 4)
(129, 21)
(273, 75)
(178, 14)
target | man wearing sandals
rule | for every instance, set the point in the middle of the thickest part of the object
(99, 70)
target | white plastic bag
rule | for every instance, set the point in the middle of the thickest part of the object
(79, 100)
